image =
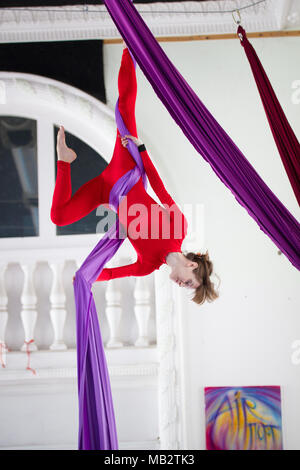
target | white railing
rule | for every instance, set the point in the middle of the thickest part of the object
(112, 304)
(142, 354)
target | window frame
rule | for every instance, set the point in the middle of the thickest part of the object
(49, 103)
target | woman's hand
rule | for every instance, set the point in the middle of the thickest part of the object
(73, 279)
(136, 140)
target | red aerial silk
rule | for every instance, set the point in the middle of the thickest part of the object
(286, 141)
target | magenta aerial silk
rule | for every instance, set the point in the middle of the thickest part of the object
(205, 133)
(97, 427)
(286, 141)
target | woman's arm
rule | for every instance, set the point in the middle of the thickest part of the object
(135, 269)
(158, 187)
(152, 174)
(156, 181)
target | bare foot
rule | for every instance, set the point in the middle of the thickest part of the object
(64, 153)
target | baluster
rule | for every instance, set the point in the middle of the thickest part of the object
(113, 310)
(3, 315)
(142, 311)
(58, 311)
(28, 312)
(113, 314)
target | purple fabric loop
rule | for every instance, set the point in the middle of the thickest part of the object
(97, 426)
(205, 133)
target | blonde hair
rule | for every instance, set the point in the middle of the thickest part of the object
(206, 290)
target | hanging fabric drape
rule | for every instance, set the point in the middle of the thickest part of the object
(286, 141)
(97, 427)
(204, 132)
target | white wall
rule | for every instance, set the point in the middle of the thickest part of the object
(246, 336)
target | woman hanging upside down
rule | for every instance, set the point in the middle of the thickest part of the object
(161, 229)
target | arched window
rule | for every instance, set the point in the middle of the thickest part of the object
(32, 108)
(87, 165)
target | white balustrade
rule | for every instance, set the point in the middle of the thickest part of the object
(142, 311)
(28, 312)
(3, 315)
(58, 311)
(112, 304)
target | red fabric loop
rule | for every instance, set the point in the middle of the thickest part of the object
(284, 136)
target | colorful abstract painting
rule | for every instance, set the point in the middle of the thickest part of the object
(243, 418)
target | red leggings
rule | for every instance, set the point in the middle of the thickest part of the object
(66, 208)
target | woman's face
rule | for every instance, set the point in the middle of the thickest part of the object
(185, 277)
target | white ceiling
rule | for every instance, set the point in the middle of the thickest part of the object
(42, 24)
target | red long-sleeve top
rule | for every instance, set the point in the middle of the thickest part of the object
(159, 235)
(153, 235)
(165, 233)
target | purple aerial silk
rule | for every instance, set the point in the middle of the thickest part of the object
(97, 427)
(285, 139)
(205, 133)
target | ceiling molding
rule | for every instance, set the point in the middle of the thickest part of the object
(292, 19)
(75, 23)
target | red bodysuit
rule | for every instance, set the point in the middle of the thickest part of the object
(159, 235)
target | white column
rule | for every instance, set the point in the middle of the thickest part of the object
(28, 312)
(113, 313)
(142, 310)
(58, 311)
(3, 315)
(167, 402)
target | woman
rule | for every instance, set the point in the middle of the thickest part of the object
(187, 270)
